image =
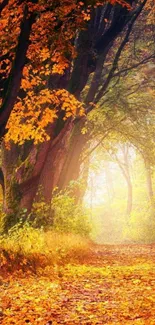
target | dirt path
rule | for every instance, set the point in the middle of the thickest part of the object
(113, 285)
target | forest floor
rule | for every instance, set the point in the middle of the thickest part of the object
(111, 285)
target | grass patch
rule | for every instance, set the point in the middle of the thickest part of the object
(31, 249)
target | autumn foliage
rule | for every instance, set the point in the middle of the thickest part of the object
(48, 49)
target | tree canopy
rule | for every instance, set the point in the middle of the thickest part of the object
(47, 53)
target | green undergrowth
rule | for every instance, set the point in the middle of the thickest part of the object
(63, 214)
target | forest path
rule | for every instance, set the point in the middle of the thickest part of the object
(113, 285)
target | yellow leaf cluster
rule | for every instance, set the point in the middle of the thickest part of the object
(32, 115)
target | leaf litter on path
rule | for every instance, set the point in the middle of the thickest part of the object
(114, 285)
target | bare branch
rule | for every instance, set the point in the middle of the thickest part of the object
(101, 140)
(119, 51)
(134, 66)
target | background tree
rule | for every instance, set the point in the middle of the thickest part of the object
(134, 126)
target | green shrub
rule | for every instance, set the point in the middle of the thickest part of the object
(69, 216)
(63, 214)
(40, 215)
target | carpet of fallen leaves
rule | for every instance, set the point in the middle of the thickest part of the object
(112, 285)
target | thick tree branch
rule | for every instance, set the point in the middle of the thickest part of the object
(89, 43)
(3, 5)
(121, 16)
(15, 76)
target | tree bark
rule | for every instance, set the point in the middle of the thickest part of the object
(55, 160)
(52, 164)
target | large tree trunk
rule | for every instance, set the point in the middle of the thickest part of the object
(63, 161)
(41, 168)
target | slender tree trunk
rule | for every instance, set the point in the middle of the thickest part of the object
(125, 168)
(2, 180)
(149, 181)
(109, 183)
(10, 188)
(129, 197)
